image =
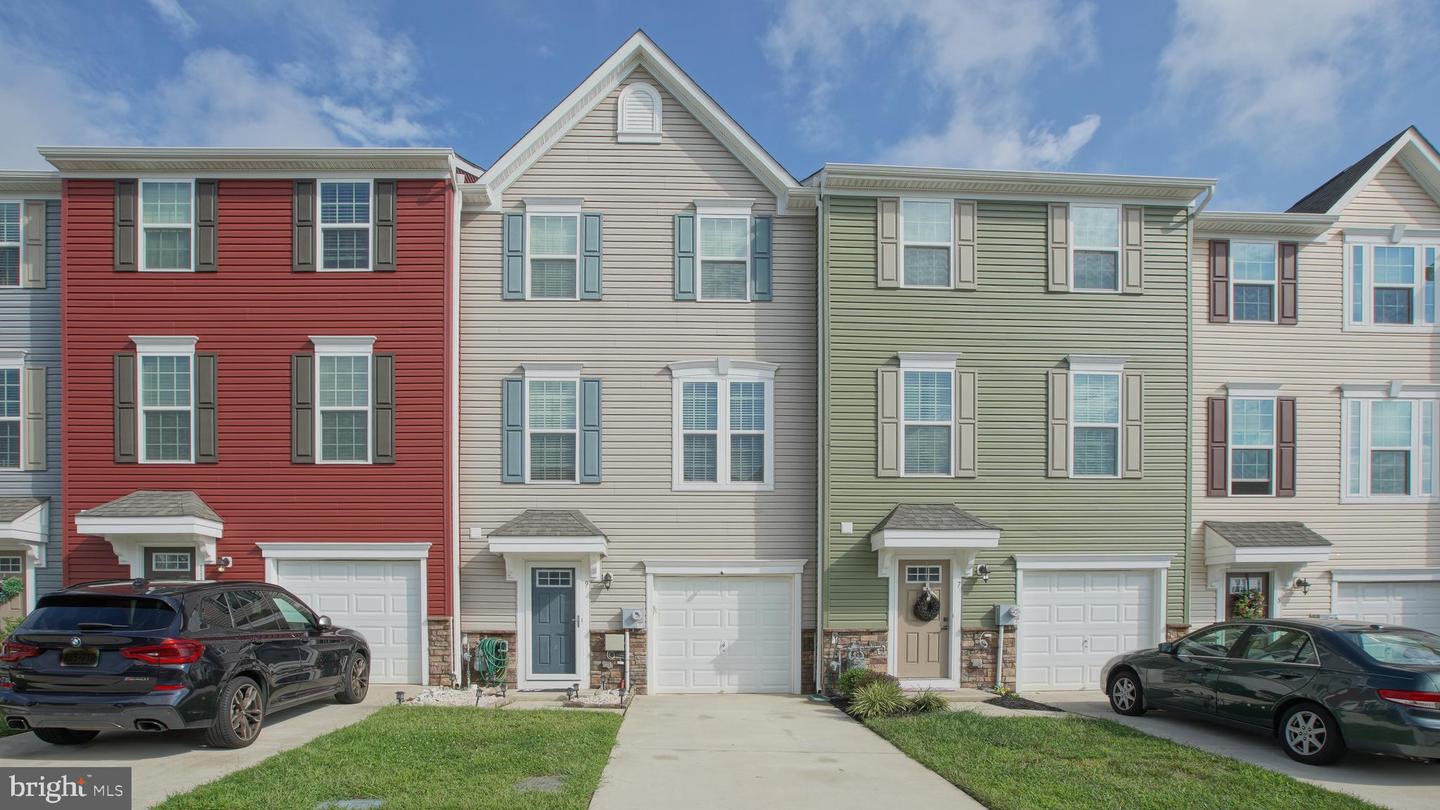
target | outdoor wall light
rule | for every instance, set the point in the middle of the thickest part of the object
(607, 580)
(1303, 586)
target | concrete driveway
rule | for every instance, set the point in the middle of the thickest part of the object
(1386, 781)
(163, 764)
(728, 751)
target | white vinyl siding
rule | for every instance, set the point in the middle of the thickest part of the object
(10, 241)
(927, 229)
(552, 430)
(1095, 248)
(1095, 424)
(345, 224)
(167, 225)
(1253, 289)
(927, 422)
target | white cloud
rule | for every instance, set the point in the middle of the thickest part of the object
(976, 58)
(52, 106)
(1282, 74)
(173, 13)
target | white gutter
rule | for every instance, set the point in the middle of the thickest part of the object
(453, 316)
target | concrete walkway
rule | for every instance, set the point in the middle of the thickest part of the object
(164, 764)
(1386, 781)
(727, 751)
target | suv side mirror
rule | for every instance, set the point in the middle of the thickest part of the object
(1167, 647)
(325, 623)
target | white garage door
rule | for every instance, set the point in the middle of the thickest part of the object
(1413, 604)
(723, 634)
(1072, 622)
(378, 598)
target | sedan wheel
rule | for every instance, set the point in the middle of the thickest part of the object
(246, 712)
(1310, 734)
(1127, 697)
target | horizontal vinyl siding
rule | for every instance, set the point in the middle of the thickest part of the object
(1310, 361)
(627, 339)
(1012, 332)
(255, 313)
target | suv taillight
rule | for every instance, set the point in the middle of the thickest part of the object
(169, 651)
(14, 651)
(1420, 700)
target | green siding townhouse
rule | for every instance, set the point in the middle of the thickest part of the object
(1004, 408)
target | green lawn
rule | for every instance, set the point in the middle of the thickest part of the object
(1028, 763)
(425, 757)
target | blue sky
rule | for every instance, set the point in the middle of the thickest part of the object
(1270, 97)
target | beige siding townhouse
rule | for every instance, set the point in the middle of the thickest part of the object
(1317, 374)
(637, 395)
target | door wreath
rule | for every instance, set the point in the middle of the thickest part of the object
(927, 605)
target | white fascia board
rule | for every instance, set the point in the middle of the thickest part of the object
(929, 361)
(551, 371)
(12, 358)
(1093, 562)
(594, 544)
(724, 567)
(924, 540)
(1395, 389)
(553, 205)
(723, 206)
(1252, 389)
(148, 525)
(1385, 575)
(1253, 224)
(987, 184)
(344, 551)
(723, 367)
(165, 344)
(1097, 363)
(30, 185)
(107, 161)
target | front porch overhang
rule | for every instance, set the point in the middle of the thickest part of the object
(960, 545)
(1284, 547)
(541, 535)
(27, 528)
(141, 519)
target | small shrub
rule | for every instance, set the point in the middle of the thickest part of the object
(851, 679)
(7, 627)
(928, 701)
(880, 698)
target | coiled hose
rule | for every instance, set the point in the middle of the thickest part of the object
(491, 660)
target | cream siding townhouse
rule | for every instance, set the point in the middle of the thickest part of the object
(637, 395)
(1317, 374)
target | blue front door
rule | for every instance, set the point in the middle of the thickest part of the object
(552, 621)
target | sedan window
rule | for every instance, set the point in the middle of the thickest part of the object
(1212, 643)
(1413, 647)
(1278, 644)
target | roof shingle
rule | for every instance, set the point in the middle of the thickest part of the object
(12, 509)
(151, 503)
(548, 523)
(936, 517)
(1267, 533)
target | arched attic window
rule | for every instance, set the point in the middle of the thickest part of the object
(638, 116)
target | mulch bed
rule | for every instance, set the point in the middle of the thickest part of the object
(1017, 702)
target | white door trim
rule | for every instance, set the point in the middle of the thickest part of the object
(958, 562)
(524, 678)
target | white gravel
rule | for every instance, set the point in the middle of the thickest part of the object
(444, 696)
(608, 699)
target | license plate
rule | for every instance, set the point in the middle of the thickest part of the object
(79, 657)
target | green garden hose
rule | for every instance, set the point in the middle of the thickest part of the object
(491, 660)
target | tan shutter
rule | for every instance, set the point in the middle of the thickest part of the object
(887, 242)
(965, 434)
(1132, 275)
(1059, 245)
(32, 253)
(1134, 425)
(965, 245)
(35, 441)
(887, 428)
(1058, 462)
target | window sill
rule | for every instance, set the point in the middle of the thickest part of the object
(1417, 500)
(167, 270)
(1424, 329)
(693, 486)
(344, 269)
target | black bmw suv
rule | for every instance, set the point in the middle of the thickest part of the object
(162, 656)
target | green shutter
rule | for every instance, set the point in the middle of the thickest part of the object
(302, 409)
(383, 408)
(126, 450)
(207, 204)
(684, 257)
(207, 431)
(590, 438)
(127, 238)
(760, 259)
(512, 430)
(513, 237)
(302, 229)
(592, 248)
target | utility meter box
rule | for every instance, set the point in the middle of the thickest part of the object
(614, 642)
(1007, 615)
(632, 618)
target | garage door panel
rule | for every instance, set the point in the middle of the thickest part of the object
(722, 634)
(1413, 604)
(1071, 622)
(380, 600)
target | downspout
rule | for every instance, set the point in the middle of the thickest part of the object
(822, 444)
(453, 404)
(1189, 405)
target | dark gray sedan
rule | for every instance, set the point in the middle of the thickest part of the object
(1321, 687)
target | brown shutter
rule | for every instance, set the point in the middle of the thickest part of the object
(33, 415)
(385, 226)
(1057, 463)
(126, 234)
(887, 433)
(1132, 270)
(126, 451)
(887, 242)
(32, 253)
(384, 408)
(1219, 281)
(965, 245)
(1058, 225)
(207, 428)
(965, 423)
(207, 208)
(1217, 426)
(302, 409)
(302, 230)
(1134, 425)
(1289, 311)
(1285, 447)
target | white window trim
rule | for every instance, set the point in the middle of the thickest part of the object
(16, 360)
(162, 346)
(19, 245)
(1362, 396)
(1368, 242)
(551, 372)
(1106, 365)
(320, 226)
(935, 362)
(948, 245)
(345, 346)
(553, 207)
(1118, 250)
(721, 371)
(723, 209)
(144, 229)
(1231, 446)
(624, 135)
(1274, 283)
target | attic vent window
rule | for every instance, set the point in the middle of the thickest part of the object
(638, 117)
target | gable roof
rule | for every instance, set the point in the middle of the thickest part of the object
(1415, 153)
(637, 51)
(548, 523)
(942, 517)
(152, 503)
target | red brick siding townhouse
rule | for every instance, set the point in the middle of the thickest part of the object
(256, 350)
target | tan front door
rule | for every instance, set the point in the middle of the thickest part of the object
(924, 646)
(12, 567)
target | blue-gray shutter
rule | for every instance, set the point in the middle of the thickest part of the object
(684, 257)
(760, 273)
(513, 284)
(590, 444)
(592, 248)
(512, 430)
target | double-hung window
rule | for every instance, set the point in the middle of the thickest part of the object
(1391, 285)
(1095, 424)
(928, 421)
(10, 432)
(10, 243)
(927, 230)
(1095, 248)
(554, 252)
(724, 424)
(1390, 447)
(346, 224)
(1252, 446)
(724, 250)
(343, 388)
(167, 224)
(1252, 281)
(167, 400)
(552, 429)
